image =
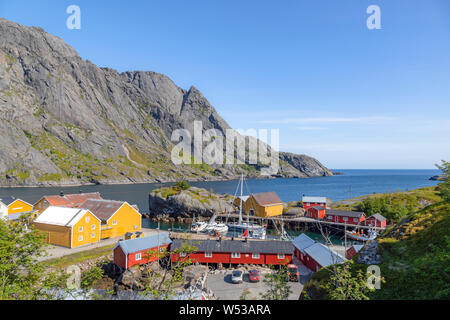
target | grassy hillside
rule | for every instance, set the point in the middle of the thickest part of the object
(416, 258)
(394, 206)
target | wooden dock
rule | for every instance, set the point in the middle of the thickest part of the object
(286, 219)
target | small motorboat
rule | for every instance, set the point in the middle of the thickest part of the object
(372, 234)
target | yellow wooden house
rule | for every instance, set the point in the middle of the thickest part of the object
(68, 227)
(117, 217)
(12, 208)
(266, 204)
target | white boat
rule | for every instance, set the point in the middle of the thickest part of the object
(198, 226)
(216, 228)
(372, 234)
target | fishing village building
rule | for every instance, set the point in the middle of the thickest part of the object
(376, 220)
(316, 212)
(128, 253)
(268, 252)
(353, 250)
(313, 254)
(68, 227)
(64, 200)
(12, 208)
(309, 202)
(265, 204)
(343, 216)
(117, 217)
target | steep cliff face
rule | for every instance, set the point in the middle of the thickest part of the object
(67, 121)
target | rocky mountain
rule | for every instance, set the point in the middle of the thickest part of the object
(67, 121)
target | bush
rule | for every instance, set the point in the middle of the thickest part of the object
(181, 185)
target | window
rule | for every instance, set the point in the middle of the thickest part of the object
(280, 256)
(208, 254)
(87, 219)
(162, 250)
(138, 256)
(330, 218)
(80, 238)
(255, 256)
(114, 222)
(182, 254)
(135, 227)
(93, 235)
(307, 203)
(355, 219)
(235, 255)
(93, 227)
(80, 229)
(345, 218)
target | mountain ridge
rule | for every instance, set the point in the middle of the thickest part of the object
(66, 121)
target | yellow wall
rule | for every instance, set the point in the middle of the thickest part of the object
(263, 211)
(19, 206)
(126, 219)
(89, 233)
(56, 235)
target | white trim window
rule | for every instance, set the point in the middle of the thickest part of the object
(114, 222)
(92, 235)
(256, 255)
(135, 227)
(182, 254)
(80, 238)
(280, 256)
(93, 227)
(138, 256)
(208, 254)
(344, 218)
(87, 219)
(80, 229)
(236, 255)
(355, 219)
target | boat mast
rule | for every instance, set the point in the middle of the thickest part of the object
(240, 207)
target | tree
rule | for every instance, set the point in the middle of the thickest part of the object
(444, 187)
(163, 286)
(21, 274)
(343, 285)
(278, 284)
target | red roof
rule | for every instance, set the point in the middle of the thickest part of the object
(71, 200)
(266, 198)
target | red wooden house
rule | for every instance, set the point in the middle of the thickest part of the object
(353, 250)
(269, 252)
(300, 244)
(316, 212)
(376, 220)
(128, 253)
(309, 202)
(342, 216)
(318, 256)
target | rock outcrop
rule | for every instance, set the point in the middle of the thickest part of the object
(67, 121)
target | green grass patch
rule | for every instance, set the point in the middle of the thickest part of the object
(79, 257)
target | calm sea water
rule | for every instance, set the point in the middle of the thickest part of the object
(352, 184)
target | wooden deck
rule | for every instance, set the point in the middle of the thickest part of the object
(235, 216)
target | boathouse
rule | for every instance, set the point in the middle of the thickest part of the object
(265, 204)
(300, 244)
(68, 227)
(12, 208)
(376, 220)
(269, 252)
(117, 217)
(353, 250)
(128, 253)
(64, 200)
(309, 202)
(319, 256)
(342, 216)
(316, 212)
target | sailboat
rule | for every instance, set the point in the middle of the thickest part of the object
(246, 229)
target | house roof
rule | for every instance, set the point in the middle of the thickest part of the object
(302, 242)
(344, 213)
(103, 209)
(241, 246)
(314, 199)
(61, 216)
(357, 247)
(378, 217)
(324, 255)
(71, 200)
(148, 242)
(7, 200)
(267, 198)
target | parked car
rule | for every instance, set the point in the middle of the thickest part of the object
(293, 272)
(253, 276)
(236, 276)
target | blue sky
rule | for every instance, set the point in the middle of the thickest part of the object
(349, 96)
